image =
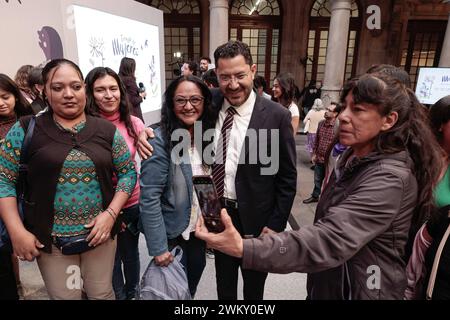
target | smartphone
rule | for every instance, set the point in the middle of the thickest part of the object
(209, 202)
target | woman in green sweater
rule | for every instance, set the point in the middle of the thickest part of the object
(72, 209)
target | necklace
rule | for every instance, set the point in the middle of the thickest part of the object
(74, 129)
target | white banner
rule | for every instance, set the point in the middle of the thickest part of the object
(432, 84)
(110, 38)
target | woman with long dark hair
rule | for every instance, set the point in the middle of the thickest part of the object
(429, 237)
(12, 106)
(127, 71)
(284, 91)
(169, 207)
(381, 189)
(107, 98)
(71, 207)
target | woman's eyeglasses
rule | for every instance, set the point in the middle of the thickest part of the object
(194, 101)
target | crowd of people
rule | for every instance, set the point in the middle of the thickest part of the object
(72, 195)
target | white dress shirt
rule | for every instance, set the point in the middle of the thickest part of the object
(197, 169)
(237, 136)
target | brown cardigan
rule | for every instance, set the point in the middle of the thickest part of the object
(48, 150)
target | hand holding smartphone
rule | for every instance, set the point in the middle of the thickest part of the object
(209, 202)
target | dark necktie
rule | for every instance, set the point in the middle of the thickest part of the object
(218, 168)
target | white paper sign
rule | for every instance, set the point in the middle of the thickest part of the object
(103, 39)
(432, 84)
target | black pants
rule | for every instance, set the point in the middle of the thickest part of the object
(319, 175)
(227, 268)
(194, 259)
(8, 286)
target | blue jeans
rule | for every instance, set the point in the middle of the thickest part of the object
(319, 175)
(128, 254)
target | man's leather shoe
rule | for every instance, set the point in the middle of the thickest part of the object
(311, 200)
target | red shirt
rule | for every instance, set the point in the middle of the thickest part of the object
(324, 137)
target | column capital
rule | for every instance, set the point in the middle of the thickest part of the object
(341, 5)
(218, 4)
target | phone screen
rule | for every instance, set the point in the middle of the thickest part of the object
(209, 202)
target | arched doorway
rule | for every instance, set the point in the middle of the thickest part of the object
(319, 25)
(182, 38)
(258, 23)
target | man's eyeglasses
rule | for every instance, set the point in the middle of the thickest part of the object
(194, 101)
(225, 79)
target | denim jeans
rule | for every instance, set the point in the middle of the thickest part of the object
(319, 175)
(128, 254)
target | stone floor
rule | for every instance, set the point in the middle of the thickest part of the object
(277, 285)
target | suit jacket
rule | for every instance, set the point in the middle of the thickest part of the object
(265, 199)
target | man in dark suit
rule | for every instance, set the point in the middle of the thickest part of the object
(258, 194)
(255, 166)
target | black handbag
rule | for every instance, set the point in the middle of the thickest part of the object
(72, 245)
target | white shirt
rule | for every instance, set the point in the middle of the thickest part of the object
(314, 117)
(266, 95)
(197, 170)
(241, 121)
(293, 108)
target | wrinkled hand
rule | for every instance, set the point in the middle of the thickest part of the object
(26, 245)
(164, 259)
(266, 231)
(101, 229)
(229, 241)
(144, 148)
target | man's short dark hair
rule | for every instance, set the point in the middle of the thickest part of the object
(210, 78)
(206, 58)
(193, 66)
(260, 82)
(338, 107)
(232, 49)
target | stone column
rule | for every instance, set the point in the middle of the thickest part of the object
(204, 31)
(337, 50)
(218, 25)
(444, 61)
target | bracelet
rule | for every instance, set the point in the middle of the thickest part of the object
(112, 216)
(111, 210)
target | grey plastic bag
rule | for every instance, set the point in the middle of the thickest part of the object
(165, 283)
